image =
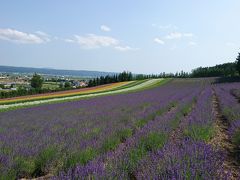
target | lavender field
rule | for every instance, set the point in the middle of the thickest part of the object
(184, 129)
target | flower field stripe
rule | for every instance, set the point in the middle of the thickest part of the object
(66, 93)
(145, 84)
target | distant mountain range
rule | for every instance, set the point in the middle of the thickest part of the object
(55, 72)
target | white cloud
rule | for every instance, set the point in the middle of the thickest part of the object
(174, 35)
(93, 41)
(179, 35)
(21, 37)
(69, 40)
(159, 41)
(105, 28)
(125, 48)
(192, 43)
(44, 36)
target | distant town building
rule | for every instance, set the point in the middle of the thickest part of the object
(83, 84)
(7, 86)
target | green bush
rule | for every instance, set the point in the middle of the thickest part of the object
(71, 130)
(81, 157)
(44, 158)
(10, 175)
(236, 138)
(197, 132)
(229, 114)
(110, 144)
(153, 141)
(93, 133)
(124, 134)
(186, 109)
(24, 167)
(134, 156)
(140, 123)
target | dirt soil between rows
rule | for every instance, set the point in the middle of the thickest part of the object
(222, 141)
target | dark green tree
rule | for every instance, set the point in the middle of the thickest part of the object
(61, 85)
(238, 64)
(67, 84)
(37, 81)
(90, 83)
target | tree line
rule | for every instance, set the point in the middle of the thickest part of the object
(121, 77)
(128, 76)
(222, 70)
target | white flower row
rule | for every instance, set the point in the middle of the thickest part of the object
(138, 86)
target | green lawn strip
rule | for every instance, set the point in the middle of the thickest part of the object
(130, 84)
(154, 85)
(84, 98)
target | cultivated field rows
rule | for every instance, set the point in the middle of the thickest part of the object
(167, 132)
(88, 94)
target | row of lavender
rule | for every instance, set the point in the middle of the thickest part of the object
(228, 94)
(152, 154)
(122, 136)
(122, 162)
(191, 156)
(51, 138)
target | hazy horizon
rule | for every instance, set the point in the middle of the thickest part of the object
(137, 36)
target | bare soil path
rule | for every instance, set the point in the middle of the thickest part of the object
(222, 140)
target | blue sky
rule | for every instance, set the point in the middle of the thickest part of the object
(140, 36)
